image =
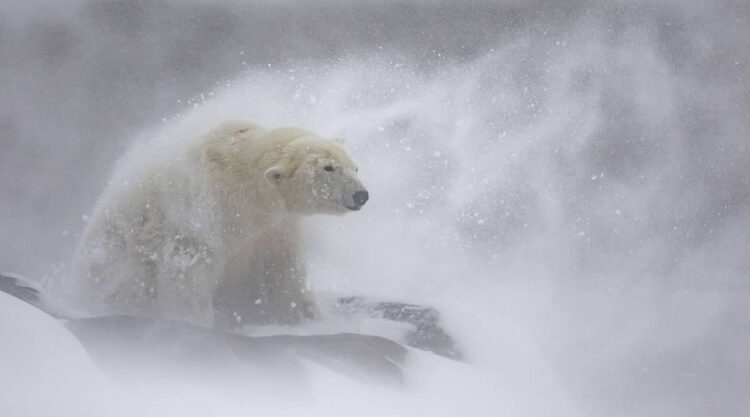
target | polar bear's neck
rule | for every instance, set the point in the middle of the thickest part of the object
(234, 166)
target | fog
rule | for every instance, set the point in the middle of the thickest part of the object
(567, 182)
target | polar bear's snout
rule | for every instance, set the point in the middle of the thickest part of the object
(359, 198)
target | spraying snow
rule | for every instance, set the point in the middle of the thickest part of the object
(565, 182)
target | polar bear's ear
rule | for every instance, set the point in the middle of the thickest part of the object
(273, 175)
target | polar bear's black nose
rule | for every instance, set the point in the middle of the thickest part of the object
(360, 198)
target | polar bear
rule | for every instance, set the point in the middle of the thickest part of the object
(209, 232)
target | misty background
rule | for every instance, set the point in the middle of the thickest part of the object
(577, 168)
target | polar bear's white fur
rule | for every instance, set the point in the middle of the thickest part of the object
(208, 233)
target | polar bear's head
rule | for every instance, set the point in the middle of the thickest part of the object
(316, 175)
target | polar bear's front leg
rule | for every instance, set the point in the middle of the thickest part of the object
(266, 284)
(289, 299)
(284, 276)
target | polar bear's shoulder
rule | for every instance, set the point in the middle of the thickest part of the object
(233, 128)
(230, 130)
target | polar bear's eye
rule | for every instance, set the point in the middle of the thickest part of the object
(328, 168)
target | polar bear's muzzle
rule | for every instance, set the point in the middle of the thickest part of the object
(359, 198)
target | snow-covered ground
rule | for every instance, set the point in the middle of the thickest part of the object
(566, 182)
(47, 372)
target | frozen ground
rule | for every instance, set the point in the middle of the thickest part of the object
(567, 182)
